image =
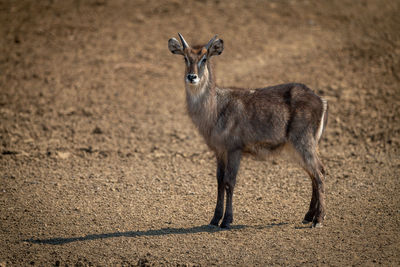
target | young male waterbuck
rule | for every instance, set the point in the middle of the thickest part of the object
(236, 122)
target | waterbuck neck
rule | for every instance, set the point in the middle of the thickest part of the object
(202, 102)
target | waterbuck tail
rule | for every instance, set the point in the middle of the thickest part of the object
(323, 121)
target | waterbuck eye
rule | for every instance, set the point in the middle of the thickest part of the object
(202, 61)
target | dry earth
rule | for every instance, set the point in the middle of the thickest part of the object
(100, 165)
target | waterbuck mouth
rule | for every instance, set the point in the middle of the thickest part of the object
(193, 81)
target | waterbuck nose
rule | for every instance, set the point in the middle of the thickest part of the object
(192, 77)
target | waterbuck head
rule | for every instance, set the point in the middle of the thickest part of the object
(196, 58)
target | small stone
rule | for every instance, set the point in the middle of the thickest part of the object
(97, 130)
(63, 155)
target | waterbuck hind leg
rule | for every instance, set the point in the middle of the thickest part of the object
(316, 212)
(313, 204)
(305, 145)
(229, 181)
(320, 214)
(312, 211)
(219, 208)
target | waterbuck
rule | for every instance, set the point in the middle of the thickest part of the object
(236, 122)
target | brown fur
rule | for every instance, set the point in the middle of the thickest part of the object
(236, 122)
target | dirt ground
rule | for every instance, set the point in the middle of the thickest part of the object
(100, 164)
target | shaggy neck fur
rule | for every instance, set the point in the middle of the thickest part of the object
(202, 102)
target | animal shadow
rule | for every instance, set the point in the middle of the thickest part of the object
(156, 232)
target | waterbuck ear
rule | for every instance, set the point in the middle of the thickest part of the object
(216, 48)
(175, 47)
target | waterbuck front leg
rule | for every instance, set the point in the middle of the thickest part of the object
(219, 208)
(229, 181)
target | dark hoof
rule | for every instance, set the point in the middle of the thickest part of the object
(225, 225)
(212, 226)
(214, 222)
(309, 217)
(226, 222)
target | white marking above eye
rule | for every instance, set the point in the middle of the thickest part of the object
(187, 61)
(201, 61)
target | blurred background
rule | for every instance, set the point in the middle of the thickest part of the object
(96, 142)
